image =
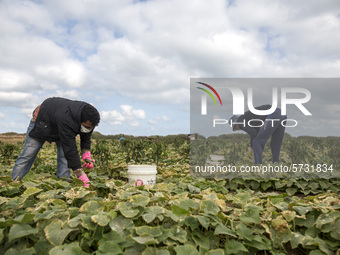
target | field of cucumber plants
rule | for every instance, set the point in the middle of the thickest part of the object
(179, 215)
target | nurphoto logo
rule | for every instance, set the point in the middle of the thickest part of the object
(259, 127)
(238, 99)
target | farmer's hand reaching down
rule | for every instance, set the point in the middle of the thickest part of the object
(80, 174)
(88, 161)
(85, 180)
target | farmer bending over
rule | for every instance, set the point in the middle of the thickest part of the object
(60, 120)
(259, 135)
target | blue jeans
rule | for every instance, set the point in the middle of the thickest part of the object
(31, 148)
(275, 131)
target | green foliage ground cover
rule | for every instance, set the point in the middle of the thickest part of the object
(179, 215)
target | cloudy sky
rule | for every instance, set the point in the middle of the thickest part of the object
(133, 60)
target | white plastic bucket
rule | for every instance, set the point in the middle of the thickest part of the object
(142, 174)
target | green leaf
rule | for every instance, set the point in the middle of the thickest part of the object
(193, 189)
(3, 200)
(147, 239)
(3, 222)
(74, 222)
(188, 204)
(291, 191)
(316, 252)
(234, 247)
(186, 250)
(126, 209)
(149, 217)
(77, 193)
(302, 210)
(24, 218)
(1, 234)
(146, 230)
(266, 185)
(259, 243)
(121, 225)
(251, 215)
(323, 246)
(102, 219)
(112, 214)
(43, 246)
(244, 232)
(307, 220)
(113, 236)
(304, 240)
(221, 229)
(67, 249)
(171, 215)
(215, 252)
(242, 197)
(179, 210)
(178, 234)
(336, 233)
(57, 231)
(153, 212)
(25, 251)
(21, 230)
(203, 239)
(46, 215)
(87, 223)
(209, 206)
(31, 191)
(327, 218)
(155, 251)
(109, 247)
(48, 194)
(139, 200)
(92, 207)
(204, 221)
(191, 222)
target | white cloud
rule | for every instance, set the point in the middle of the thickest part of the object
(165, 118)
(16, 80)
(124, 67)
(33, 61)
(156, 120)
(153, 121)
(14, 98)
(126, 116)
(71, 94)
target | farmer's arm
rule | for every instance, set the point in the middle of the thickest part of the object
(85, 142)
(68, 143)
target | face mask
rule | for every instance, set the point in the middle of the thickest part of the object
(84, 129)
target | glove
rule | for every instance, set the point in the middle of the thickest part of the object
(88, 161)
(85, 180)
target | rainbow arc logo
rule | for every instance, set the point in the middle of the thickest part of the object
(204, 97)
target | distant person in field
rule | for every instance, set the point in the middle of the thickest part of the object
(259, 134)
(60, 120)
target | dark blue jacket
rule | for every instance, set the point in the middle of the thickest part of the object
(59, 120)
